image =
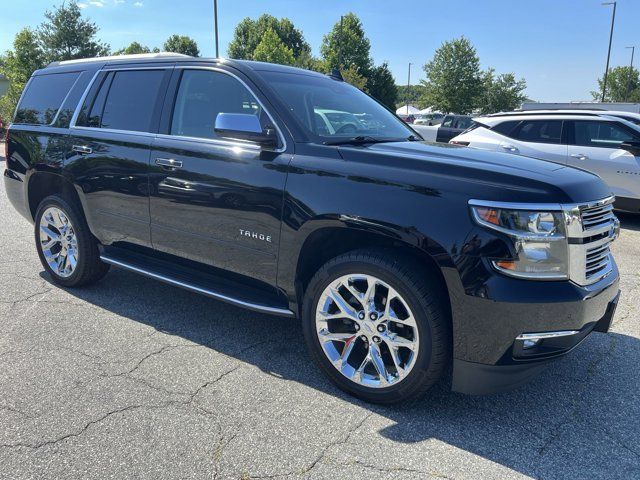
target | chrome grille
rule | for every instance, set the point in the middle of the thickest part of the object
(598, 260)
(597, 216)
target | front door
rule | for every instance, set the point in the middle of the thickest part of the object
(538, 139)
(594, 146)
(215, 201)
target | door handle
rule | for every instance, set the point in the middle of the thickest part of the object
(579, 156)
(509, 148)
(169, 163)
(82, 149)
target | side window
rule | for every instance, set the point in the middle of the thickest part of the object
(505, 128)
(131, 98)
(539, 131)
(463, 123)
(44, 97)
(202, 95)
(602, 134)
(447, 122)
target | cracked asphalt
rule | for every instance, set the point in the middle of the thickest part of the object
(132, 378)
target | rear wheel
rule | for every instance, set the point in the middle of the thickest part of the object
(66, 247)
(377, 326)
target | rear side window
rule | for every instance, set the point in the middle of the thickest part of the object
(130, 101)
(43, 98)
(447, 122)
(539, 131)
(505, 128)
(463, 123)
(602, 134)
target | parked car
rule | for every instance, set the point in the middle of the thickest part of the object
(407, 118)
(400, 258)
(608, 146)
(429, 119)
(336, 121)
(629, 116)
(453, 125)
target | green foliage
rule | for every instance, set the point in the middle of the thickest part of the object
(410, 95)
(454, 80)
(272, 49)
(623, 84)
(502, 93)
(133, 48)
(250, 33)
(18, 65)
(66, 35)
(346, 45)
(382, 86)
(182, 44)
(352, 75)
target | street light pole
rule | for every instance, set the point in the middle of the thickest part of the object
(606, 71)
(215, 21)
(408, 87)
(626, 95)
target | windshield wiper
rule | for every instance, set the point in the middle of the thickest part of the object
(359, 140)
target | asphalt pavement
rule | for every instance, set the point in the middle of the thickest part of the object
(131, 378)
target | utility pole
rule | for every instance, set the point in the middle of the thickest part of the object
(340, 59)
(606, 71)
(626, 96)
(215, 21)
(408, 87)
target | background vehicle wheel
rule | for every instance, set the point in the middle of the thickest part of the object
(377, 326)
(66, 247)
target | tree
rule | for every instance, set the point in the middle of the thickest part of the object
(66, 35)
(249, 34)
(623, 85)
(410, 95)
(182, 44)
(346, 45)
(352, 75)
(133, 48)
(18, 65)
(502, 93)
(454, 81)
(272, 49)
(382, 86)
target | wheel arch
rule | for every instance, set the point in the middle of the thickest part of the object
(41, 184)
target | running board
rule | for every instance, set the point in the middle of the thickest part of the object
(205, 285)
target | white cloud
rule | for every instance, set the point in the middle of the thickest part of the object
(118, 2)
(82, 5)
(138, 4)
(97, 4)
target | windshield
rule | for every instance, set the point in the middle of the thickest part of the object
(330, 110)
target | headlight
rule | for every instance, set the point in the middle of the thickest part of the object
(539, 238)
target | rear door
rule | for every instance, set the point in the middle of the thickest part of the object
(213, 200)
(539, 139)
(594, 146)
(109, 151)
(446, 130)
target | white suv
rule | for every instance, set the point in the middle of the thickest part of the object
(606, 145)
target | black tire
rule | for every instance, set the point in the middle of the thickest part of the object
(423, 293)
(89, 268)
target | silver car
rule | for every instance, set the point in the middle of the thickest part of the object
(606, 145)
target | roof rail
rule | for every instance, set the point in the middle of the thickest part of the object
(135, 56)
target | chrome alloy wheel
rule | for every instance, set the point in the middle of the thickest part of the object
(58, 242)
(367, 330)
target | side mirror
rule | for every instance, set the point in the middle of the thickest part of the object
(245, 127)
(632, 146)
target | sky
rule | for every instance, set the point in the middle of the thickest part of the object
(558, 46)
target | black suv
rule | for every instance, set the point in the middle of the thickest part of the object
(231, 179)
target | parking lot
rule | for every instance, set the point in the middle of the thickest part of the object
(132, 378)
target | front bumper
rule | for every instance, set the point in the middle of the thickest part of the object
(493, 330)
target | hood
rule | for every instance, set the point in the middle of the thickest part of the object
(503, 176)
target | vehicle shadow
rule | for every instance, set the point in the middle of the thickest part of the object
(579, 419)
(629, 221)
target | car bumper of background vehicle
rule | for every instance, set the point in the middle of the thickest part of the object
(529, 355)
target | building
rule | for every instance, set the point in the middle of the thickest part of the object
(618, 107)
(4, 84)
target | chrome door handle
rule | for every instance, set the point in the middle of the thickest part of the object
(579, 156)
(509, 148)
(82, 149)
(169, 163)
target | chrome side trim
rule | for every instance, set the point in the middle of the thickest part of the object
(210, 293)
(547, 207)
(114, 130)
(66, 97)
(76, 113)
(543, 335)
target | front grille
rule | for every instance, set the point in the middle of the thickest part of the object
(599, 229)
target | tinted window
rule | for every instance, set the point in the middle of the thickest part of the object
(540, 131)
(44, 97)
(447, 122)
(463, 123)
(602, 134)
(202, 95)
(131, 100)
(629, 119)
(505, 128)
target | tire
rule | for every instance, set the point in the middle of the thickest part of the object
(415, 289)
(88, 267)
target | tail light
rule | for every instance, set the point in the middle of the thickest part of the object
(459, 142)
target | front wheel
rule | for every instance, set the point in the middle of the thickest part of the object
(377, 326)
(66, 247)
